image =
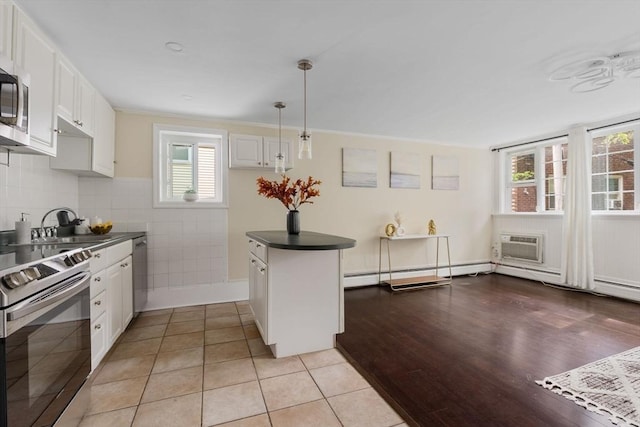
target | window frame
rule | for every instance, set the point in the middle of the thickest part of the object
(162, 139)
(539, 180)
(607, 130)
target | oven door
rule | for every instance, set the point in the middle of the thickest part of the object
(46, 356)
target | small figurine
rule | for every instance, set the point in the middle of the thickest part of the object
(432, 227)
(398, 218)
(390, 230)
(399, 229)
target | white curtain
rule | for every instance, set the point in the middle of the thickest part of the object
(577, 250)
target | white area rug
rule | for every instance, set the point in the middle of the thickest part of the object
(610, 386)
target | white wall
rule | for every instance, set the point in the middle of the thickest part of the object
(616, 249)
(28, 185)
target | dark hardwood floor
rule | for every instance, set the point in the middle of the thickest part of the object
(469, 354)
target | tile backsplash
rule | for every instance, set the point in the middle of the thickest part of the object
(28, 185)
(186, 246)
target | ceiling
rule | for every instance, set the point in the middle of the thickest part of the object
(471, 73)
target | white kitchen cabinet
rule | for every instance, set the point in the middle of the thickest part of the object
(257, 152)
(111, 297)
(114, 302)
(75, 98)
(98, 339)
(104, 139)
(6, 28)
(85, 156)
(127, 291)
(119, 289)
(99, 327)
(34, 53)
(259, 301)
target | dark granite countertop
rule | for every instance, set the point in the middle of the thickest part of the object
(12, 256)
(305, 241)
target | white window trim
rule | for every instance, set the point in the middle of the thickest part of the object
(222, 181)
(539, 167)
(604, 131)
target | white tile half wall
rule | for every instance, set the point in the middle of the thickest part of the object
(187, 248)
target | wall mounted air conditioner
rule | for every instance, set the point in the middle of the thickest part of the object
(521, 247)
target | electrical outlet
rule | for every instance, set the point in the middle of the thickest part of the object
(495, 253)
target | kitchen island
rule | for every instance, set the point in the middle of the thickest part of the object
(296, 291)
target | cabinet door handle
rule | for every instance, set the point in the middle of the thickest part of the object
(99, 302)
(97, 279)
(98, 326)
(253, 261)
(96, 255)
(262, 269)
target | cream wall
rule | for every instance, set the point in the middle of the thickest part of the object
(358, 213)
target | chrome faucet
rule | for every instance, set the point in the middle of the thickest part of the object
(43, 231)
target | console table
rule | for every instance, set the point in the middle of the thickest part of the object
(420, 281)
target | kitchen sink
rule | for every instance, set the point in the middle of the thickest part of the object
(69, 240)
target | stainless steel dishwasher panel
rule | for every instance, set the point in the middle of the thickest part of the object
(139, 274)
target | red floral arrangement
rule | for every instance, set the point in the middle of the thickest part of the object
(292, 194)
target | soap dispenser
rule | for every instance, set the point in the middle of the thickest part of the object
(23, 230)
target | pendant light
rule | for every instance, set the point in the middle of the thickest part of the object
(304, 142)
(280, 160)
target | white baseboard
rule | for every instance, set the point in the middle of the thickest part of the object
(620, 290)
(529, 273)
(368, 279)
(237, 290)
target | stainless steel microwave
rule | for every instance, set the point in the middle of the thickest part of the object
(14, 105)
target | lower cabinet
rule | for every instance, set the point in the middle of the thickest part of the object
(111, 297)
(258, 295)
(98, 318)
(119, 297)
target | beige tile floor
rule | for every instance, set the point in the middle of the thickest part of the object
(207, 366)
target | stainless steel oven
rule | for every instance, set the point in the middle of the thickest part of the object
(45, 337)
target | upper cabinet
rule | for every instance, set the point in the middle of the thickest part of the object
(254, 151)
(104, 138)
(36, 55)
(76, 98)
(80, 154)
(6, 28)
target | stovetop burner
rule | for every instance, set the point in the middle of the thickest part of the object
(28, 270)
(13, 256)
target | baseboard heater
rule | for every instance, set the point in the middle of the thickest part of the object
(521, 247)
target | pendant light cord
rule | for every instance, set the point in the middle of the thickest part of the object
(279, 131)
(305, 101)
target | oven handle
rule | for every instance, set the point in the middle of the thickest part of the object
(63, 290)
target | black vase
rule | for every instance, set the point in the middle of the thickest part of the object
(293, 222)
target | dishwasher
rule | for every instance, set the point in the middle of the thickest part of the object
(139, 274)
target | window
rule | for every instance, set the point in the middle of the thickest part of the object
(613, 167)
(536, 178)
(189, 159)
